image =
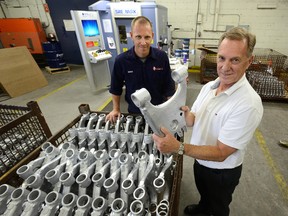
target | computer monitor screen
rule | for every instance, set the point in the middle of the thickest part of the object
(90, 28)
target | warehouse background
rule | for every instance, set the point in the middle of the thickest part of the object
(201, 21)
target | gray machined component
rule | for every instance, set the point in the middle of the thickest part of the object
(99, 206)
(68, 178)
(118, 207)
(159, 182)
(83, 179)
(84, 118)
(18, 197)
(140, 192)
(126, 162)
(34, 201)
(26, 170)
(169, 113)
(53, 175)
(147, 144)
(86, 158)
(5, 193)
(137, 208)
(110, 184)
(102, 157)
(98, 179)
(92, 120)
(143, 159)
(125, 137)
(36, 180)
(128, 184)
(104, 136)
(83, 205)
(68, 202)
(52, 203)
(163, 208)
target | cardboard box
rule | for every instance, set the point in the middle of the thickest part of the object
(19, 73)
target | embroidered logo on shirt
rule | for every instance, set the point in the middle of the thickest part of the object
(130, 71)
(157, 69)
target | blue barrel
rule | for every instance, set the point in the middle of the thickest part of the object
(54, 55)
(186, 43)
(178, 53)
(185, 54)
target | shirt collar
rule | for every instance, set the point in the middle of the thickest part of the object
(151, 53)
(233, 88)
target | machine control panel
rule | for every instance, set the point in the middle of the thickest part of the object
(99, 55)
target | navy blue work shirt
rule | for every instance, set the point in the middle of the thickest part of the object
(154, 74)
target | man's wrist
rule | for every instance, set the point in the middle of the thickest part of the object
(181, 150)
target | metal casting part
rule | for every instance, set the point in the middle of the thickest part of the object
(18, 197)
(52, 204)
(169, 113)
(5, 193)
(34, 201)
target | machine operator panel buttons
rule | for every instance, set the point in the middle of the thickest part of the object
(99, 55)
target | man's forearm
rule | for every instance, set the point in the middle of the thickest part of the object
(116, 102)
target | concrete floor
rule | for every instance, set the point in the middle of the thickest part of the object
(263, 188)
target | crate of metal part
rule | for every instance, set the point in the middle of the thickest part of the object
(22, 130)
(268, 74)
(208, 68)
(92, 167)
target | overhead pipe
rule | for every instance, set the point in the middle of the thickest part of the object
(216, 15)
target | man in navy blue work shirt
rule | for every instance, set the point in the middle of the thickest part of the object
(142, 66)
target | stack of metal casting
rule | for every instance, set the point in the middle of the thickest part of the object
(102, 169)
(266, 85)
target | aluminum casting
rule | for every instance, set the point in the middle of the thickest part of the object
(169, 113)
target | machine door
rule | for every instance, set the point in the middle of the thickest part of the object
(123, 26)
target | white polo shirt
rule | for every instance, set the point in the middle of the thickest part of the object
(230, 117)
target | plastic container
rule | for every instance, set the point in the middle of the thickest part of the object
(54, 55)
